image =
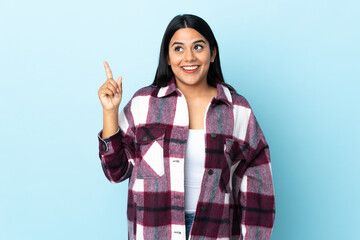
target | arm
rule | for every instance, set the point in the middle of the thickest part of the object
(256, 195)
(116, 139)
(117, 151)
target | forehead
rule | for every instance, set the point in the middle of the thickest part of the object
(187, 35)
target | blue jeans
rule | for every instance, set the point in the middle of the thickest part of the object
(189, 218)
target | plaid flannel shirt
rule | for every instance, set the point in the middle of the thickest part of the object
(236, 199)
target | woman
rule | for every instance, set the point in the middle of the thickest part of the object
(196, 157)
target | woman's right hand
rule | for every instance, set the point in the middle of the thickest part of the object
(110, 92)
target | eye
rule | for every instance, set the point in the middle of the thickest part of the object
(198, 47)
(178, 49)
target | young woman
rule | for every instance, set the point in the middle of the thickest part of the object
(198, 163)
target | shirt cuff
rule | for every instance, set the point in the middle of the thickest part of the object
(103, 142)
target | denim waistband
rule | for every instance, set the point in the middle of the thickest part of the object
(189, 218)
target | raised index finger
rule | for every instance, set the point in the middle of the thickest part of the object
(108, 71)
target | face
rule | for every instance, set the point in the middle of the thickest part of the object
(190, 57)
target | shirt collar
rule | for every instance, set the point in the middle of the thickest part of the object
(168, 89)
(223, 93)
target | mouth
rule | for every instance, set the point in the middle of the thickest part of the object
(190, 69)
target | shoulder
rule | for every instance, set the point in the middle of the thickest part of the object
(141, 98)
(239, 99)
(236, 98)
(146, 91)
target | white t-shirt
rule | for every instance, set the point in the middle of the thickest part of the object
(194, 167)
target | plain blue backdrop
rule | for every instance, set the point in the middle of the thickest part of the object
(297, 63)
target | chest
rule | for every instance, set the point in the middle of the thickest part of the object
(197, 109)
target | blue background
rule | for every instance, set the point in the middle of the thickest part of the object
(297, 63)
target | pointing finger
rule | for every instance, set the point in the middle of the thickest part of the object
(108, 70)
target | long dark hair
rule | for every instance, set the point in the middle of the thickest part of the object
(164, 72)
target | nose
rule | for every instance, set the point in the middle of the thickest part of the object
(189, 56)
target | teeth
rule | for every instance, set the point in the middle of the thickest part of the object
(190, 68)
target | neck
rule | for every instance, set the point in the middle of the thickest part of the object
(194, 91)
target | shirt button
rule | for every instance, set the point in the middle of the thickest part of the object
(203, 208)
(210, 172)
(144, 139)
(213, 135)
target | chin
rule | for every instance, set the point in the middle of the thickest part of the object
(191, 83)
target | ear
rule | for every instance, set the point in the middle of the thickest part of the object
(213, 55)
(168, 60)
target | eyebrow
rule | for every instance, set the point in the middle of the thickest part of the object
(180, 43)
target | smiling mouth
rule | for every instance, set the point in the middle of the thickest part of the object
(190, 69)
